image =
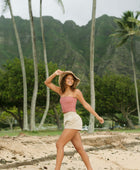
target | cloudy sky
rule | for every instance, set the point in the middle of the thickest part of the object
(77, 10)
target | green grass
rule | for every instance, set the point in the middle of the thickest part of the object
(56, 132)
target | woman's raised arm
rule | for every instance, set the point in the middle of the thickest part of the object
(48, 81)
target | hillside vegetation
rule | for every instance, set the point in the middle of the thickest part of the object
(68, 45)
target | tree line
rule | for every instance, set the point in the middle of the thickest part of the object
(7, 3)
(129, 27)
(115, 100)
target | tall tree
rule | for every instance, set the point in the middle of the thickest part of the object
(35, 90)
(92, 88)
(45, 60)
(25, 120)
(46, 68)
(128, 28)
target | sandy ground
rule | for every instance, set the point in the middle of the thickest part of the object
(106, 150)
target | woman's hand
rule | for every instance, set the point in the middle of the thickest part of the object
(59, 72)
(101, 120)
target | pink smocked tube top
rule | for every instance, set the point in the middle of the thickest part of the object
(68, 104)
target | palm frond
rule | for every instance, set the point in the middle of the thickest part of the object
(128, 26)
(4, 5)
(122, 31)
(135, 21)
(122, 41)
(132, 32)
(137, 33)
(124, 38)
(117, 34)
(137, 15)
(126, 15)
(119, 23)
(61, 4)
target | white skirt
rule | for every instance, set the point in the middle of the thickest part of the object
(72, 121)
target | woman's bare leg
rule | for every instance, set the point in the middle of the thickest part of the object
(65, 137)
(76, 141)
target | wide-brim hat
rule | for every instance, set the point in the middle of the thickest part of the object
(76, 82)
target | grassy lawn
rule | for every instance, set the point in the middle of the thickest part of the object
(56, 132)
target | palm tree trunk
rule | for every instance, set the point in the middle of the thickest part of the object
(25, 112)
(34, 97)
(135, 79)
(46, 68)
(92, 44)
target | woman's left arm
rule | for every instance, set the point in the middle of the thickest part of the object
(80, 97)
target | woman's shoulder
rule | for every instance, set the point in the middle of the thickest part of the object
(79, 95)
(77, 92)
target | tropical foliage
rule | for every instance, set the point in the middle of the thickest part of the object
(128, 28)
(11, 87)
(115, 100)
(68, 45)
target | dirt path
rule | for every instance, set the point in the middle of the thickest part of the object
(106, 150)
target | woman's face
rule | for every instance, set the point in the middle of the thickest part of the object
(69, 80)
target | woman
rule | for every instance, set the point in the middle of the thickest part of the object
(72, 121)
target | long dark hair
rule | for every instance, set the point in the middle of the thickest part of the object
(63, 85)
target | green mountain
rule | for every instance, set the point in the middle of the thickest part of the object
(68, 45)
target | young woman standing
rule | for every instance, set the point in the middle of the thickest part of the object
(72, 121)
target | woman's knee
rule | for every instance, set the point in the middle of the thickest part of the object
(59, 145)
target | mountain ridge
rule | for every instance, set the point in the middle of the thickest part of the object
(68, 45)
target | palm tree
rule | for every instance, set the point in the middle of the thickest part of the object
(46, 68)
(129, 26)
(92, 90)
(46, 63)
(25, 120)
(34, 96)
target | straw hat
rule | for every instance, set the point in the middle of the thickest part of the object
(76, 82)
